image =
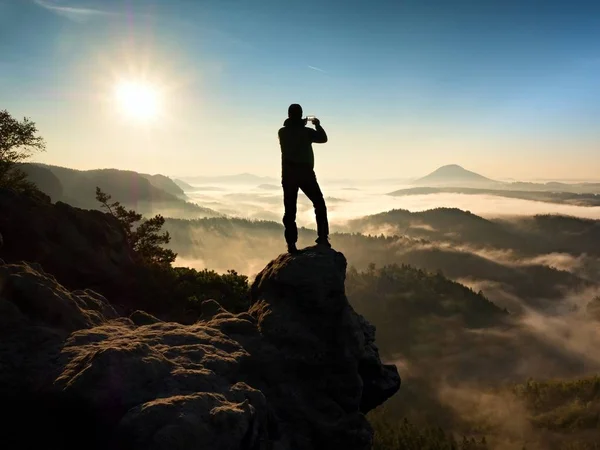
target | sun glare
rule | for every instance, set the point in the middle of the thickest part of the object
(138, 100)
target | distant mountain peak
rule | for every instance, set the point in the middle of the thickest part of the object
(451, 166)
(455, 169)
(455, 175)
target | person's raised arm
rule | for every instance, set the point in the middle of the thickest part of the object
(319, 136)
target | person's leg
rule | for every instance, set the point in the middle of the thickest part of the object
(310, 186)
(290, 197)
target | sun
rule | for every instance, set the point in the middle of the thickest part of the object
(138, 100)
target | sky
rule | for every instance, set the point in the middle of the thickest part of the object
(509, 89)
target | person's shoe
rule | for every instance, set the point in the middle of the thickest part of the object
(292, 248)
(324, 242)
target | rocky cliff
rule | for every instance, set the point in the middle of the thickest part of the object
(297, 371)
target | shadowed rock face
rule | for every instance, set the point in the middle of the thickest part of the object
(308, 326)
(297, 371)
(82, 249)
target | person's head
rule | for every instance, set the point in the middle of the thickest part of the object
(295, 111)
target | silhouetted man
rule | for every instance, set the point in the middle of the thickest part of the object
(297, 172)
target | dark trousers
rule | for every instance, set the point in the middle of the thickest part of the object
(294, 177)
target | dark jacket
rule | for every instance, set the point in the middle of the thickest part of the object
(296, 141)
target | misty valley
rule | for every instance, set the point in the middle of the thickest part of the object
(316, 225)
(490, 310)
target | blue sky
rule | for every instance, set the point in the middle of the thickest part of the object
(510, 89)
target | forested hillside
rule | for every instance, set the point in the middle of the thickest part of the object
(148, 194)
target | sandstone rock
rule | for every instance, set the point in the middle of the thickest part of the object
(143, 318)
(211, 308)
(38, 297)
(298, 371)
(324, 369)
(198, 420)
(36, 316)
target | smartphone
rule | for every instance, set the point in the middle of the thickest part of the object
(310, 118)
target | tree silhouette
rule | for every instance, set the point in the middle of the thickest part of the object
(145, 239)
(18, 142)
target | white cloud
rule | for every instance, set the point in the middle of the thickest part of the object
(71, 11)
(317, 69)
